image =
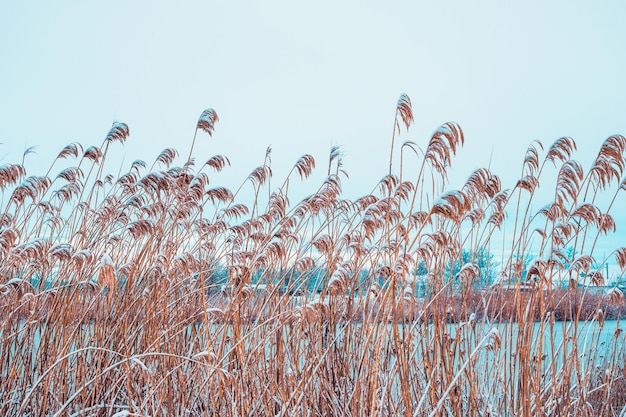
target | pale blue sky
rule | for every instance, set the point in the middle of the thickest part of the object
(304, 75)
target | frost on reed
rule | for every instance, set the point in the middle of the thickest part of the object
(155, 292)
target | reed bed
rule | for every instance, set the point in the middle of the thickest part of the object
(154, 292)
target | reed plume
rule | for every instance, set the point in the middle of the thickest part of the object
(156, 291)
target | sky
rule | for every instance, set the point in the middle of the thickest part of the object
(303, 76)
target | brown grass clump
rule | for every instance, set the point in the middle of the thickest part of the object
(155, 292)
(563, 305)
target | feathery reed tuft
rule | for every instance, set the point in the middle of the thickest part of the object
(156, 292)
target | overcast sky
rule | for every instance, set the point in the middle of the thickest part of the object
(303, 76)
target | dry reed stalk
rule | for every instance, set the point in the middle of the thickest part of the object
(150, 293)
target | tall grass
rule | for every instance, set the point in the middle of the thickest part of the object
(112, 300)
